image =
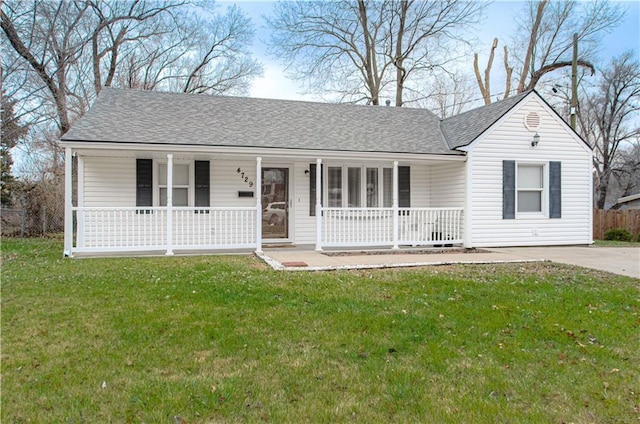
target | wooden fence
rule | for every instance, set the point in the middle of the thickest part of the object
(604, 220)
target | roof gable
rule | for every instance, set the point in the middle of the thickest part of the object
(462, 129)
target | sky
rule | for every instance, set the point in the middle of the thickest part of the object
(498, 23)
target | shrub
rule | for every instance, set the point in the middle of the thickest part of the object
(638, 238)
(618, 234)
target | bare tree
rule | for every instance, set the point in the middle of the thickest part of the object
(12, 132)
(626, 174)
(547, 30)
(121, 23)
(332, 46)
(418, 34)
(48, 36)
(57, 55)
(609, 118)
(352, 48)
(448, 94)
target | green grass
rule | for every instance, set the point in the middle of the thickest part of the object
(224, 339)
(615, 243)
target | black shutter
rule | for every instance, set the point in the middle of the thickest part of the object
(313, 174)
(404, 186)
(555, 192)
(508, 189)
(144, 182)
(202, 179)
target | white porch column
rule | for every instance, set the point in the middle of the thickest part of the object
(68, 201)
(80, 202)
(318, 205)
(169, 204)
(258, 191)
(395, 205)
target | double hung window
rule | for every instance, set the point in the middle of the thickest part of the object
(181, 183)
(190, 183)
(530, 188)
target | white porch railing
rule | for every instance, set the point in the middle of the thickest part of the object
(343, 227)
(104, 229)
(352, 227)
(426, 226)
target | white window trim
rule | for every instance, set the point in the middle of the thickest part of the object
(544, 200)
(190, 188)
(363, 184)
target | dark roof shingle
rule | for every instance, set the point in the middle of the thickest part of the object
(462, 129)
(133, 116)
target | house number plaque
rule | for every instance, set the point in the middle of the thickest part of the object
(243, 177)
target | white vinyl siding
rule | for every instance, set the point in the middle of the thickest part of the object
(447, 185)
(510, 140)
(305, 225)
(226, 182)
(109, 181)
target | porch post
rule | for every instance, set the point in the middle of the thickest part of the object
(258, 204)
(68, 201)
(80, 202)
(169, 204)
(395, 205)
(318, 205)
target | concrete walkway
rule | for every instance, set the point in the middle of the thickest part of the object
(618, 260)
(310, 260)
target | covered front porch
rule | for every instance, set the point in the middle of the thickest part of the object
(247, 223)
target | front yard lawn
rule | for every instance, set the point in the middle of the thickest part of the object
(225, 339)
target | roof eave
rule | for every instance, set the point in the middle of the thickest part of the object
(258, 151)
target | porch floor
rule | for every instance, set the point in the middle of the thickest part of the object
(307, 259)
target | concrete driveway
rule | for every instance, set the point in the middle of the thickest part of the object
(618, 260)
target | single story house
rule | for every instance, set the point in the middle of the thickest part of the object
(162, 172)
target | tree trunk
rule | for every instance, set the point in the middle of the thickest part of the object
(509, 70)
(485, 88)
(399, 59)
(369, 54)
(603, 185)
(532, 44)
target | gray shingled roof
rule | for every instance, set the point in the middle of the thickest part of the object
(462, 129)
(132, 116)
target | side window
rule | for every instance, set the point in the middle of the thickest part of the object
(530, 188)
(527, 190)
(180, 184)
